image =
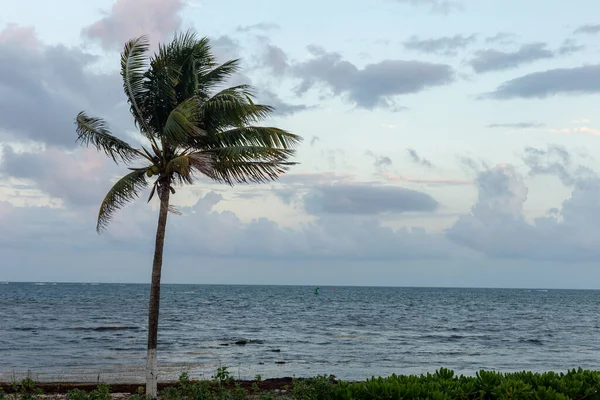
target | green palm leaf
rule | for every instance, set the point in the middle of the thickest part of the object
(125, 190)
(258, 136)
(183, 122)
(208, 80)
(133, 67)
(95, 131)
(232, 107)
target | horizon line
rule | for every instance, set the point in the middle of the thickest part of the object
(298, 285)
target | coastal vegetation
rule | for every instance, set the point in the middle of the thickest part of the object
(190, 125)
(441, 385)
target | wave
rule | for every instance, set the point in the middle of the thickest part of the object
(106, 328)
(532, 341)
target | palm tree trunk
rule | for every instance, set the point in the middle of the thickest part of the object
(151, 362)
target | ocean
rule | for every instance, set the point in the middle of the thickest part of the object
(89, 332)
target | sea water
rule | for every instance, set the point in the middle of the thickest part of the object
(98, 331)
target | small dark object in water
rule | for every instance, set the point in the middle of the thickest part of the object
(224, 344)
(276, 350)
(279, 362)
(241, 342)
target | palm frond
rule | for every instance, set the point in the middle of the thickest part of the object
(95, 131)
(258, 136)
(208, 80)
(231, 172)
(180, 169)
(242, 164)
(133, 68)
(232, 107)
(125, 190)
(182, 122)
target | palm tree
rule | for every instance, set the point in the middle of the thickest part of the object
(190, 128)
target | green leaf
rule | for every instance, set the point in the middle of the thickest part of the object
(232, 107)
(182, 123)
(133, 68)
(258, 136)
(125, 190)
(95, 131)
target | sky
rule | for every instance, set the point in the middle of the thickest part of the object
(446, 143)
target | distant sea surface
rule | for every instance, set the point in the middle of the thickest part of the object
(98, 331)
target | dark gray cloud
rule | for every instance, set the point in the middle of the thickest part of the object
(574, 81)
(415, 157)
(275, 59)
(282, 108)
(373, 86)
(570, 46)
(556, 161)
(159, 19)
(589, 29)
(501, 38)
(517, 125)
(55, 83)
(495, 60)
(381, 163)
(435, 6)
(77, 178)
(358, 199)
(447, 45)
(261, 26)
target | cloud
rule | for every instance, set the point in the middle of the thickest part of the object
(57, 82)
(159, 19)
(275, 59)
(494, 60)
(583, 130)
(373, 86)
(501, 38)
(496, 225)
(282, 108)
(362, 199)
(556, 161)
(394, 177)
(261, 26)
(574, 81)
(517, 125)
(219, 234)
(224, 48)
(416, 158)
(381, 163)
(447, 45)
(23, 36)
(570, 46)
(590, 29)
(436, 6)
(75, 178)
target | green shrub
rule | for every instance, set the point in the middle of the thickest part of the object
(25, 390)
(102, 392)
